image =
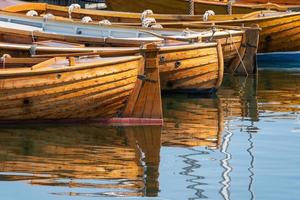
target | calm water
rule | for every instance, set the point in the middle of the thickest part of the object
(244, 143)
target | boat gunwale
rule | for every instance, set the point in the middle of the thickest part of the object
(19, 72)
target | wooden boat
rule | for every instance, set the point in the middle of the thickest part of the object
(231, 39)
(279, 60)
(201, 6)
(183, 66)
(280, 2)
(90, 88)
(89, 156)
(279, 30)
(192, 67)
(185, 7)
(97, 15)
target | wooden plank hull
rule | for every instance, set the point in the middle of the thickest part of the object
(85, 91)
(96, 15)
(191, 67)
(280, 2)
(182, 7)
(278, 33)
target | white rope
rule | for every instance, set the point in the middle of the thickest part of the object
(240, 57)
(71, 8)
(3, 59)
(146, 14)
(229, 7)
(104, 22)
(150, 22)
(191, 7)
(48, 16)
(86, 19)
(32, 36)
(32, 13)
(207, 14)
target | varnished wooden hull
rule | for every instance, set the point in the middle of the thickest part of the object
(278, 33)
(180, 6)
(191, 67)
(88, 91)
(280, 2)
(96, 15)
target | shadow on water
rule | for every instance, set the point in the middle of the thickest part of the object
(88, 160)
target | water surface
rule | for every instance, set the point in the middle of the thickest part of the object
(242, 143)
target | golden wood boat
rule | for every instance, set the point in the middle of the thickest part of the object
(83, 156)
(134, 16)
(183, 66)
(185, 7)
(192, 67)
(97, 15)
(233, 40)
(89, 88)
(279, 30)
(280, 2)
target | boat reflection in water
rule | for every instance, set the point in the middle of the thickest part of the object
(208, 145)
(192, 121)
(123, 162)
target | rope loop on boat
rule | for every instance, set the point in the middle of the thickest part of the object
(238, 53)
(229, 7)
(72, 7)
(150, 22)
(146, 14)
(4, 57)
(32, 49)
(86, 19)
(48, 16)
(32, 36)
(191, 7)
(32, 13)
(207, 14)
(213, 30)
(104, 22)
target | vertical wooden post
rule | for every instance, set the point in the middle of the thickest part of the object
(245, 63)
(145, 101)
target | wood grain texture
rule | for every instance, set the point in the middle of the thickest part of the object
(92, 88)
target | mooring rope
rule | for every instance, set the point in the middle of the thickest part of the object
(239, 55)
(191, 7)
(71, 8)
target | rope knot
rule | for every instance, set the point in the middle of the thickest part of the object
(32, 13)
(86, 19)
(72, 7)
(207, 14)
(104, 22)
